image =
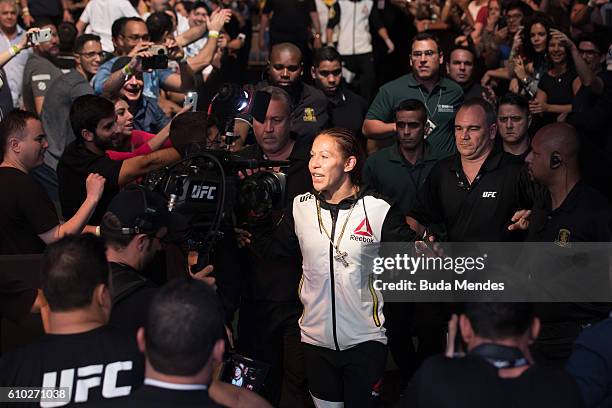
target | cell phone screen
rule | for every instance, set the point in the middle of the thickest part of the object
(244, 372)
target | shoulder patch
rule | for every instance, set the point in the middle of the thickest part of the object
(41, 77)
(309, 115)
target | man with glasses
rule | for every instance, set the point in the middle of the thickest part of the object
(590, 50)
(513, 122)
(134, 42)
(441, 97)
(62, 92)
(346, 109)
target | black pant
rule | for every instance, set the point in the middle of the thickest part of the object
(345, 376)
(269, 332)
(363, 66)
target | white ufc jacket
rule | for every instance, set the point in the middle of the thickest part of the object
(335, 314)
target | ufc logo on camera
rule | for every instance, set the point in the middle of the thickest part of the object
(88, 377)
(489, 194)
(203, 192)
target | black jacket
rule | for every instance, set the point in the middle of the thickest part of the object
(277, 279)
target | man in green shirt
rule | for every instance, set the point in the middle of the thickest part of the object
(398, 171)
(441, 97)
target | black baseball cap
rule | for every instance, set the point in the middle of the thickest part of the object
(140, 211)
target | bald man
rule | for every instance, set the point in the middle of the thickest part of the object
(309, 111)
(570, 212)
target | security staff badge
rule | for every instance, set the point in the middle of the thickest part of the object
(309, 115)
(563, 238)
(431, 126)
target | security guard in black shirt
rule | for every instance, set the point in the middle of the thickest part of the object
(569, 212)
(475, 193)
(309, 105)
(346, 109)
(469, 197)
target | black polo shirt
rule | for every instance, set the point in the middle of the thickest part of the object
(309, 115)
(72, 170)
(347, 110)
(390, 174)
(584, 216)
(480, 212)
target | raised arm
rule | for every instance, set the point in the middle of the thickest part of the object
(75, 225)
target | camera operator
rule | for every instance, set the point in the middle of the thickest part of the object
(497, 370)
(157, 79)
(75, 284)
(148, 115)
(269, 310)
(93, 123)
(134, 226)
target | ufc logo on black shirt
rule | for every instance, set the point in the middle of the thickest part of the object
(489, 194)
(86, 378)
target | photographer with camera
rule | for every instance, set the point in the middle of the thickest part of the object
(148, 115)
(497, 370)
(24, 43)
(156, 76)
(343, 338)
(39, 71)
(269, 308)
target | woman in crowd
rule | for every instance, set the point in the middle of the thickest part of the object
(529, 59)
(555, 91)
(131, 142)
(335, 229)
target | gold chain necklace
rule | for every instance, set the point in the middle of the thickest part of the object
(340, 256)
